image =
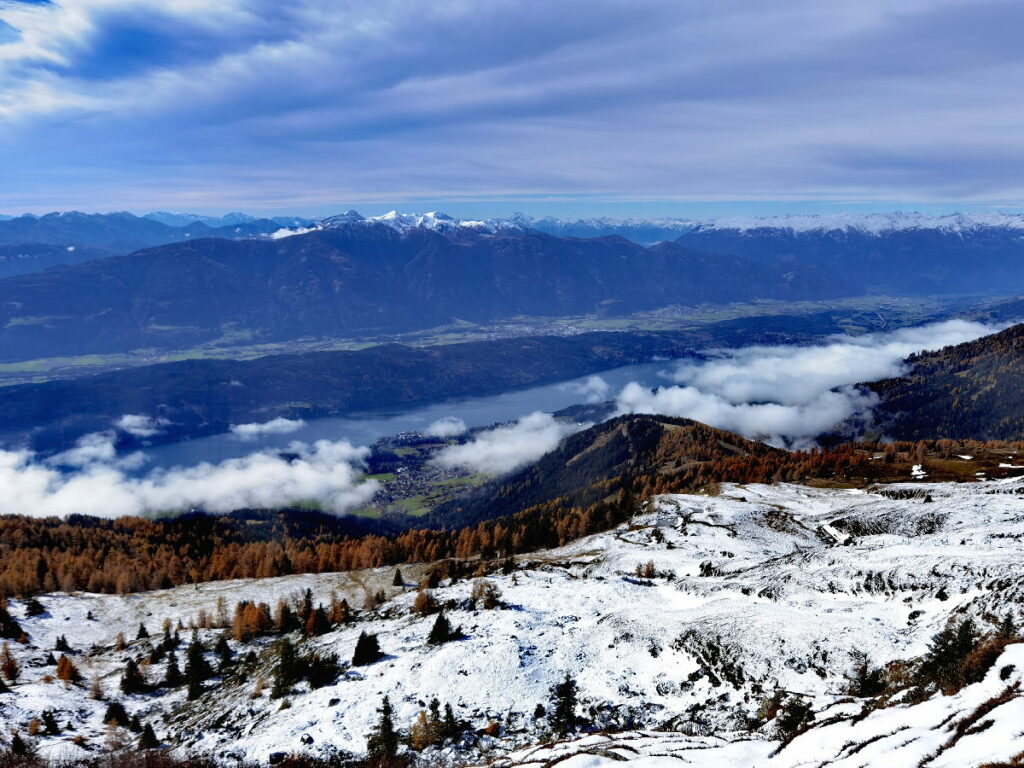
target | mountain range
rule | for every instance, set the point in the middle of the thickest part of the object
(359, 278)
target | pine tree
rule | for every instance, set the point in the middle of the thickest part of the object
(9, 627)
(116, 714)
(1007, 628)
(793, 717)
(398, 581)
(866, 680)
(61, 644)
(19, 747)
(132, 680)
(382, 742)
(143, 633)
(442, 631)
(197, 669)
(317, 623)
(223, 650)
(148, 739)
(563, 718)
(367, 650)
(172, 675)
(946, 652)
(50, 726)
(451, 729)
(286, 673)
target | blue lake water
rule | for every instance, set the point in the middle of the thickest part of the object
(365, 428)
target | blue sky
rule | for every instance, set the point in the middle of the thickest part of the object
(571, 107)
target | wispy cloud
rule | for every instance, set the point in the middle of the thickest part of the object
(125, 103)
(506, 448)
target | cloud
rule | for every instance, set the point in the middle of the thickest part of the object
(256, 430)
(790, 395)
(99, 485)
(593, 388)
(139, 426)
(507, 448)
(128, 103)
(449, 426)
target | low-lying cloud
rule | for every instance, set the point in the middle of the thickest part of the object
(790, 395)
(593, 388)
(256, 430)
(99, 483)
(138, 425)
(449, 426)
(507, 448)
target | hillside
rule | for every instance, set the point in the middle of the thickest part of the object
(691, 618)
(363, 278)
(973, 390)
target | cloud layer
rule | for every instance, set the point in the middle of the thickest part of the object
(790, 395)
(100, 484)
(315, 104)
(507, 448)
(256, 430)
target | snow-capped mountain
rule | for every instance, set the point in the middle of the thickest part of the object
(649, 230)
(685, 620)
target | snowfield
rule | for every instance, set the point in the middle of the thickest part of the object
(761, 587)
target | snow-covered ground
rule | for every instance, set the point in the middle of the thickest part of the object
(759, 588)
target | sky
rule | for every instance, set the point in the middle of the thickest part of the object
(572, 107)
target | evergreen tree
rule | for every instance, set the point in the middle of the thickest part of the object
(132, 680)
(286, 673)
(148, 739)
(1007, 628)
(947, 650)
(317, 623)
(116, 714)
(19, 747)
(50, 726)
(866, 680)
(793, 718)
(442, 631)
(9, 627)
(563, 718)
(143, 633)
(223, 650)
(450, 729)
(307, 606)
(398, 581)
(197, 669)
(367, 650)
(172, 676)
(61, 644)
(382, 742)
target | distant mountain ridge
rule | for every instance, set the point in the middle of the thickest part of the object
(124, 232)
(364, 279)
